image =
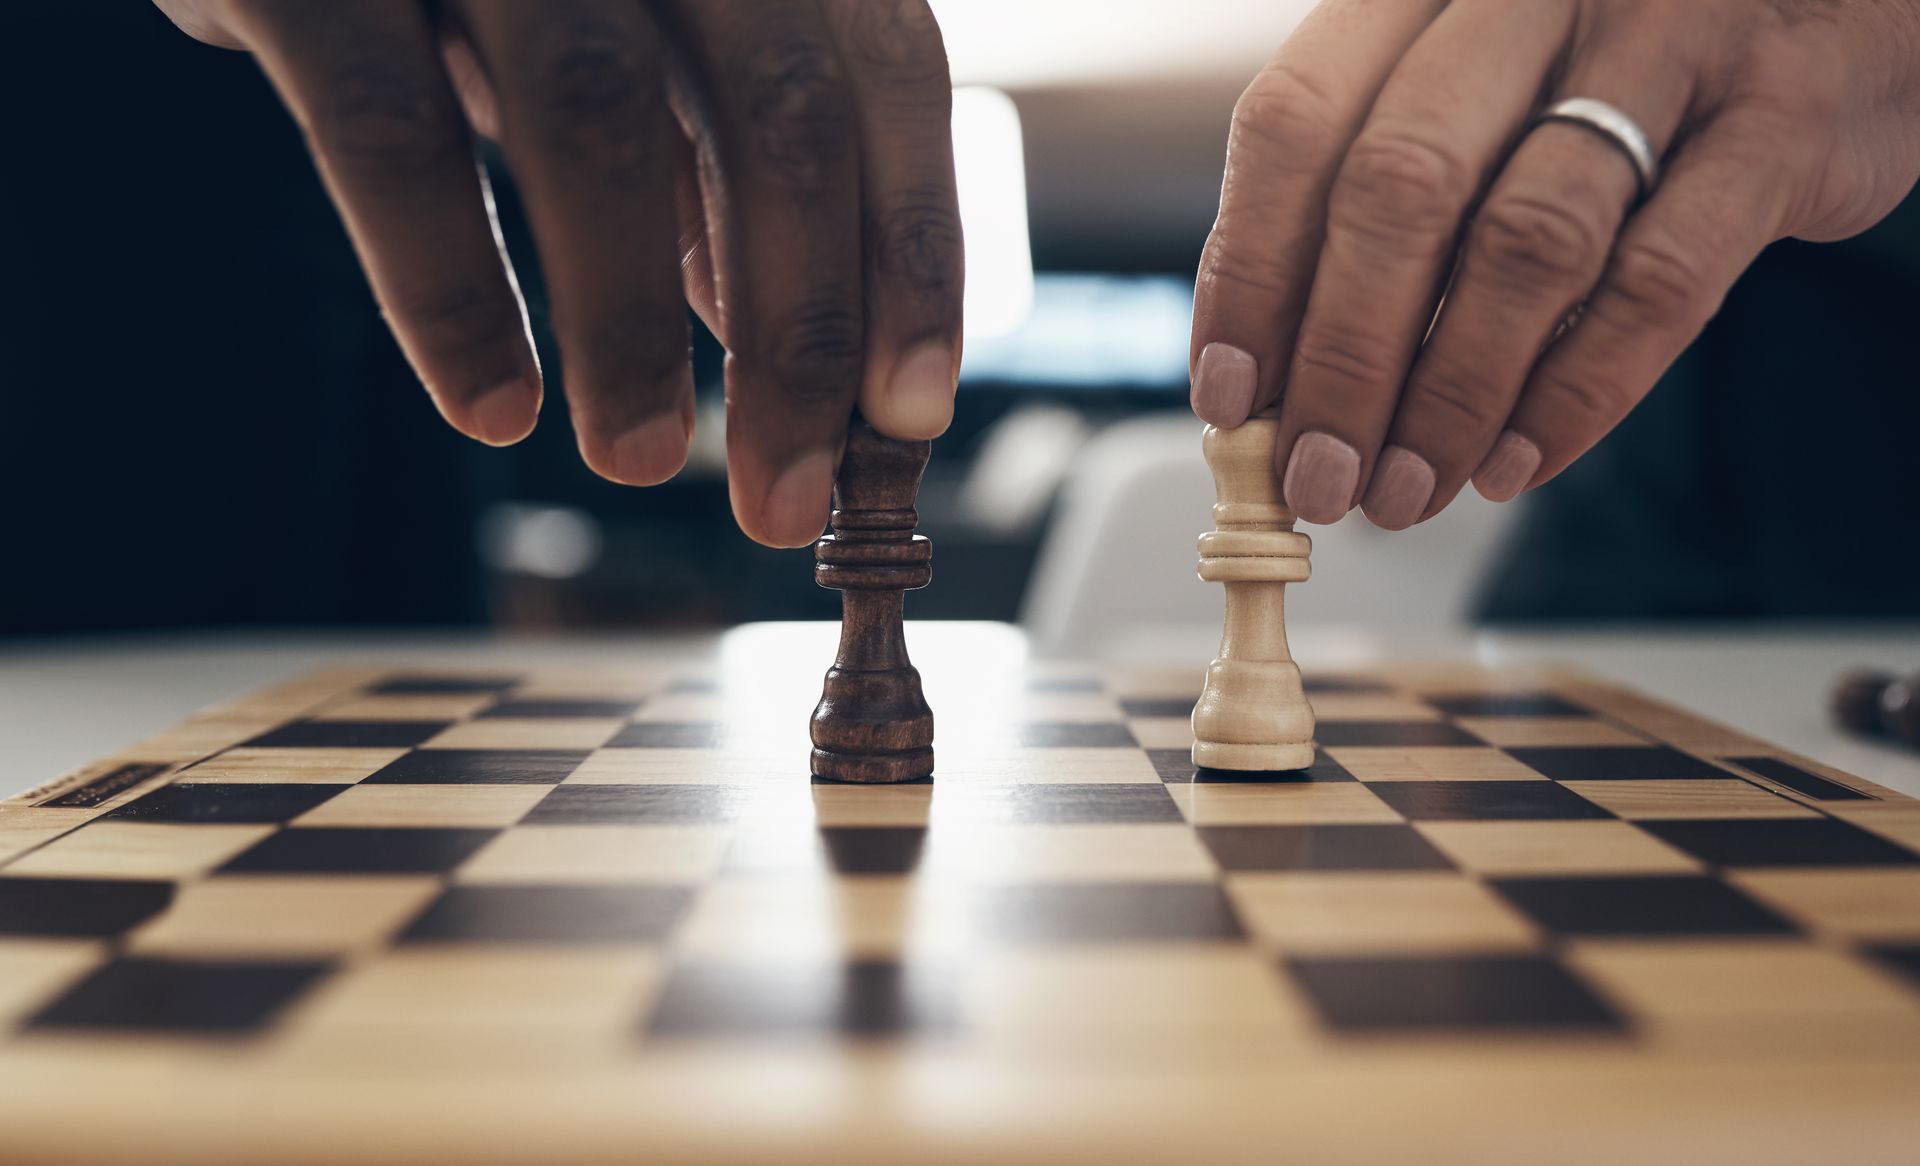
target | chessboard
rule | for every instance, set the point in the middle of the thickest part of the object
(555, 913)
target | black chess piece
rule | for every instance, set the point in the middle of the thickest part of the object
(1879, 704)
(872, 723)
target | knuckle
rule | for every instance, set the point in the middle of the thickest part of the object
(818, 354)
(1400, 183)
(800, 121)
(597, 88)
(1287, 120)
(1454, 399)
(1347, 356)
(895, 41)
(1534, 242)
(1660, 284)
(1594, 404)
(459, 320)
(916, 245)
(376, 119)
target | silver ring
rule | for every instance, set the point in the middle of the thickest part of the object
(1614, 126)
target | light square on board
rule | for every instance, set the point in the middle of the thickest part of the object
(284, 915)
(1556, 847)
(1164, 994)
(1660, 800)
(683, 708)
(1368, 706)
(502, 733)
(877, 805)
(426, 805)
(1059, 765)
(1161, 732)
(1350, 913)
(598, 987)
(297, 766)
(1878, 904)
(1279, 803)
(1430, 763)
(598, 854)
(1759, 980)
(140, 850)
(778, 918)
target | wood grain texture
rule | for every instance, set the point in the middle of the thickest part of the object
(872, 723)
(1252, 714)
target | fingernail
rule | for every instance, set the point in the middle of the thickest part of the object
(1401, 488)
(1322, 474)
(1223, 384)
(920, 393)
(795, 511)
(1508, 468)
(650, 452)
(506, 413)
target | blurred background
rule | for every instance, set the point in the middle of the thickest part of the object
(208, 425)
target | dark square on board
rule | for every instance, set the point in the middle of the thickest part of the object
(1106, 913)
(480, 767)
(1076, 735)
(555, 709)
(210, 997)
(630, 913)
(1687, 905)
(1473, 801)
(1084, 803)
(1066, 685)
(1344, 685)
(1616, 763)
(226, 801)
(667, 735)
(1799, 780)
(1490, 992)
(867, 998)
(1508, 704)
(359, 850)
(1330, 847)
(422, 685)
(348, 735)
(79, 907)
(1902, 958)
(1403, 733)
(636, 804)
(1781, 842)
(1157, 706)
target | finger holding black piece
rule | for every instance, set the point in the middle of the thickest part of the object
(779, 154)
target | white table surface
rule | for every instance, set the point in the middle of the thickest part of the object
(64, 703)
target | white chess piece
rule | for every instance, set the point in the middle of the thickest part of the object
(1253, 713)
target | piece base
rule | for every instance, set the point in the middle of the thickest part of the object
(873, 768)
(1230, 755)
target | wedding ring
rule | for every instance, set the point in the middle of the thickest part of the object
(1615, 127)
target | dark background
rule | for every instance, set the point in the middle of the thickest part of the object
(207, 423)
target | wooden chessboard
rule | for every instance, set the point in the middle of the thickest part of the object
(552, 914)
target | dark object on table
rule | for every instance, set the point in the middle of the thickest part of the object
(872, 723)
(1879, 704)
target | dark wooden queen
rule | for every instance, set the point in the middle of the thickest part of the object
(872, 723)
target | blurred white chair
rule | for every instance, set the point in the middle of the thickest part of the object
(1115, 577)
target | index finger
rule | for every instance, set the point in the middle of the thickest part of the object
(1290, 130)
